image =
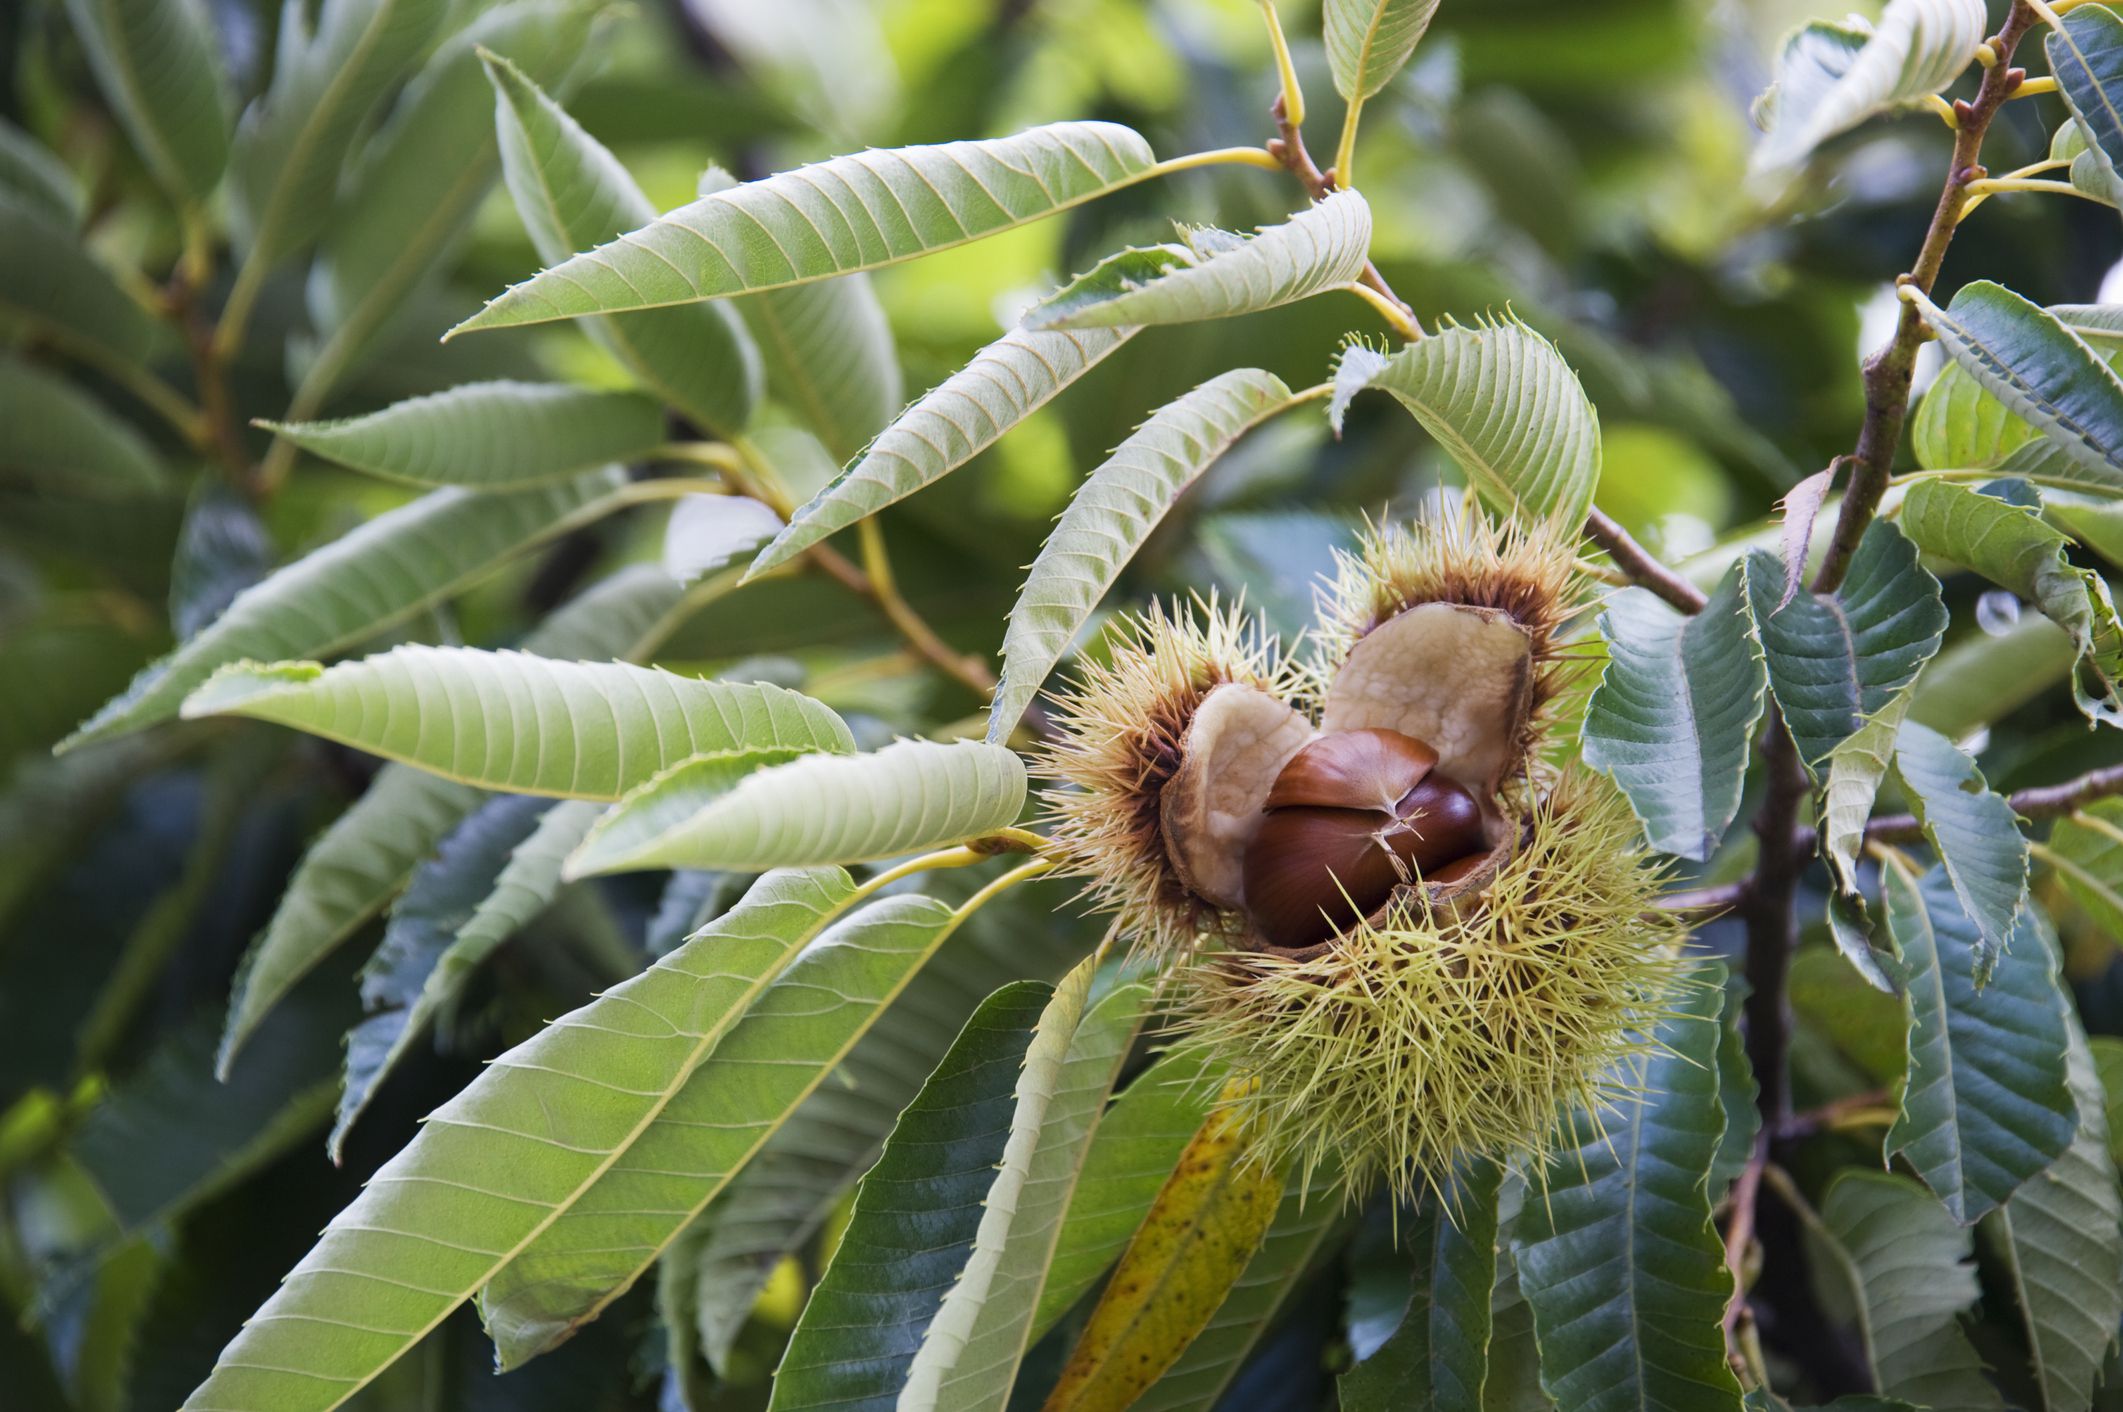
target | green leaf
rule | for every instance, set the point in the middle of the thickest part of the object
(2063, 1238)
(404, 212)
(1502, 401)
(709, 536)
(2087, 851)
(1438, 1361)
(496, 872)
(66, 442)
(362, 860)
(1831, 78)
(1838, 659)
(488, 435)
(571, 193)
(1619, 1259)
(2086, 56)
(360, 583)
(1986, 1106)
(791, 1187)
(1738, 1090)
(1514, 1353)
(1216, 275)
(718, 813)
(970, 1356)
(1110, 516)
(1134, 1150)
(511, 721)
(1903, 1267)
(2011, 546)
(1368, 41)
(1856, 769)
(916, 1216)
(1961, 426)
(1006, 382)
(293, 143)
(793, 1037)
(2039, 367)
(1304, 1226)
(1974, 832)
(2069, 144)
(831, 218)
(509, 1158)
(158, 66)
(33, 174)
(829, 353)
(1674, 714)
(52, 282)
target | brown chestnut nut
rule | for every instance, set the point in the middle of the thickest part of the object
(1352, 816)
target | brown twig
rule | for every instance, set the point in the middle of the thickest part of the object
(1636, 561)
(1769, 916)
(1739, 1234)
(1288, 147)
(1887, 373)
(2038, 802)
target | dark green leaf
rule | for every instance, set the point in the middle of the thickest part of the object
(33, 174)
(1674, 714)
(1439, 1359)
(51, 281)
(2086, 56)
(1974, 832)
(157, 64)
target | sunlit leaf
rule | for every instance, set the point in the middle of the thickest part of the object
(1986, 1106)
(509, 1157)
(1216, 275)
(831, 218)
(1006, 382)
(1674, 715)
(2011, 546)
(1856, 769)
(1368, 40)
(1502, 401)
(1903, 1267)
(790, 1040)
(488, 435)
(571, 193)
(367, 854)
(511, 721)
(911, 795)
(1110, 516)
(1618, 1255)
(157, 64)
(1974, 832)
(1832, 77)
(2039, 368)
(2063, 1236)
(389, 568)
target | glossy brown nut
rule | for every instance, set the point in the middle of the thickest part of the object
(1311, 872)
(1360, 769)
(1440, 824)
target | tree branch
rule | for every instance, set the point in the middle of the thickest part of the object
(2047, 801)
(1887, 373)
(1636, 561)
(1288, 147)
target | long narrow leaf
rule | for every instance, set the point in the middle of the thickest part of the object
(156, 62)
(508, 1158)
(1439, 1358)
(1369, 40)
(831, 218)
(511, 721)
(1111, 515)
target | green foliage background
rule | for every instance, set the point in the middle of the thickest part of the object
(1583, 167)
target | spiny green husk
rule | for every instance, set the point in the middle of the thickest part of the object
(1426, 1035)
(1119, 735)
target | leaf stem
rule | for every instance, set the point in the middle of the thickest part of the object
(1345, 150)
(1293, 96)
(1638, 563)
(971, 671)
(1215, 157)
(1288, 148)
(2032, 87)
(1977, 190)
(1391, 310)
